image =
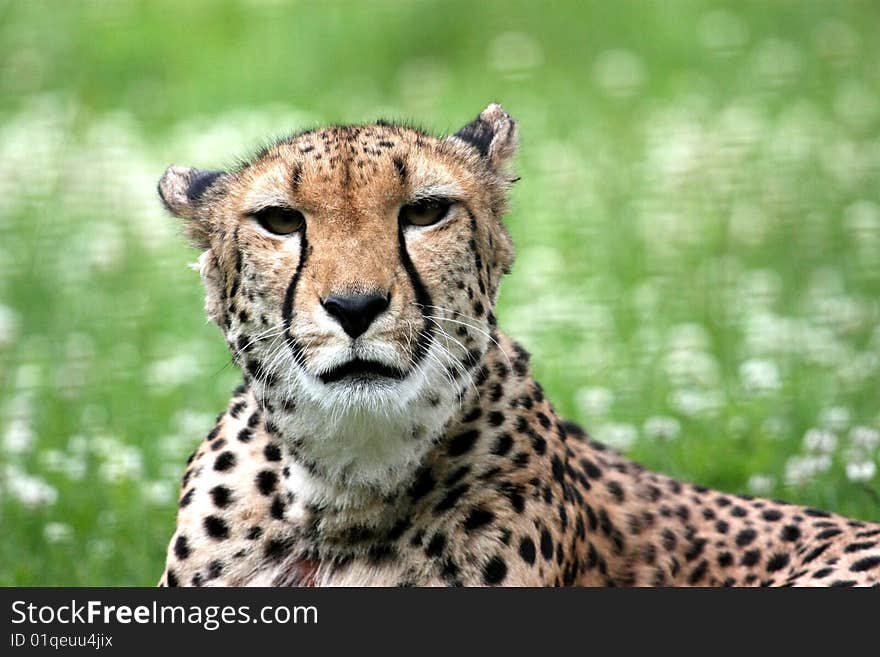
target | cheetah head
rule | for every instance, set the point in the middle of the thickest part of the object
(355, 268)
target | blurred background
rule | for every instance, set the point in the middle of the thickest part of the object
(698, 229)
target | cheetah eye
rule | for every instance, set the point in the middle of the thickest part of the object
(280, 221)
(424, 213)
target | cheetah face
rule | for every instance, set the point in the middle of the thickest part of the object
(355, 266)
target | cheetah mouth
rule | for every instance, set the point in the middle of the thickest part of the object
(361, 369)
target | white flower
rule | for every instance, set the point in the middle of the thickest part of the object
(30, 490)
(121, 462)
(861, 470)
(759, 376)
(836, 418)
(157, 492)
(8, 325)
(74, 465)
(820, 440)
(173, 371)
(618, 435)
(864, 437)
(57, 532)
(760, 484)
(193, 423)
(594, 402)
(801, 469)
(18, 438)
(696, 402)
(662, 427)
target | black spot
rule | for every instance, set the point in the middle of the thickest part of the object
(828, 533)
(558, 469)
(546, 545)
(451, 498)
(277, 508)
(865, 564)
(721, 527)
(515, 497)
(777, 562)
(696, 549)
(751, 557)
(771, 515)
(266, 481)
(171, 578)
(473, 414)
(539, 444)
(495, 418)
(745, 537)
(478, 517)
(225, 461)
(181, 548)
(398, 529)
(276, 547)
(858, 547)
(590, 468)
(245, 435)
(216, 527)
(424, 483)
(215, 569)
(616, 491)
(254, 533)
(669, 540)
(738, 512)
(790, 533)
(495, 570)
(817, 513)
(272, 452)
(527, 550)
(503, 443)
(698, 573)
(725, 559)
(457, 476)
(463, 442)
(436, 545)
(221, 496)
(186, 499)
(816, 552)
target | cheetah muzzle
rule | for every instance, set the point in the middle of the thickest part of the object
(387, 433)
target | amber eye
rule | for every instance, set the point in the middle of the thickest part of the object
(424, 213)
(280, 221)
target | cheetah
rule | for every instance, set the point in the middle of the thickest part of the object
(387, 433)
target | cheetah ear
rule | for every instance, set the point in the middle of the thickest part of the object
(181, 190)
(493, 133)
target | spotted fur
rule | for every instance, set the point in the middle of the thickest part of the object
(448, 467)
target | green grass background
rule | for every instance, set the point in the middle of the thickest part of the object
(697, 224)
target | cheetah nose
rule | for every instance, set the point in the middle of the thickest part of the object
(356, 312)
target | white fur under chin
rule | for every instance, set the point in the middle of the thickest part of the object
(361, 434)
